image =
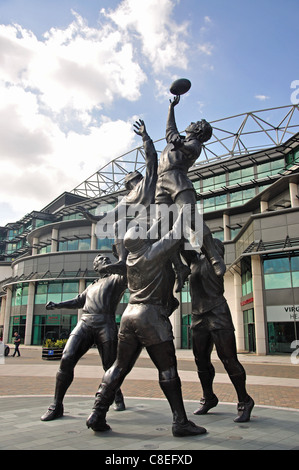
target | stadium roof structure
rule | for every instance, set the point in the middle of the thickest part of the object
(233, 136)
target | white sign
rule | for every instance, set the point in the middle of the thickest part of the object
(282, 313)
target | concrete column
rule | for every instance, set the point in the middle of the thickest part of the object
(258, 305)
(238, 314)
(93, 242)
(226, 228)
(7, 314)
(34, 249)
(29, 314)
(264, 206)
(293, 188)
(54, 243)
(2, 312)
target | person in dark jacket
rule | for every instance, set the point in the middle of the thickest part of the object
(17, 342)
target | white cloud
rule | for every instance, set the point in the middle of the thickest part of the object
(163, 40)
(206, 48)
(262, 97)
(55, 95)
(80, 67)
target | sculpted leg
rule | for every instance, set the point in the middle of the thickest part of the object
(163, 356)
(112, 380)
(202, 348)
(226, 349)
(77, 345)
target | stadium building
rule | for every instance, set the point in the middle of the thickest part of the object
(247, 181)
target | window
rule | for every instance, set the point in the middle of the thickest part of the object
(41, 293)
(41, 223)
(84, 244)
(238, 198)
(218, 234)
(55, 291)
(246, 283)
(44, 249)
(295, 271)
(105, 244)
(241, 176)
(20, 295)
(234, 232)
(70, 290)
(270, 168)
(74, 245)
(281, 273)
(215, 203)
(11, 247)
(214, 182)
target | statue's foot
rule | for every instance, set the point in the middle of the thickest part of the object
(187, 429)
(53, 412)
(97, 422)
(119, 405)
(244, 411)
(114, 268)
(206, 405)
(181, 277)
(218, 266)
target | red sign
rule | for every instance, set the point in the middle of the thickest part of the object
(248, 301)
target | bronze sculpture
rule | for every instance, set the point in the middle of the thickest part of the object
(146, 264)
(212, 325)
(96, 326)
(141, 194)
(145, 323)
(174, 186)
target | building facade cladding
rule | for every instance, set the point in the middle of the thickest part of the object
(250, 203)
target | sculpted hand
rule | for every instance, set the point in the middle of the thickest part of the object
(139, 127)
(175, 101)
(50, 306)
(87, 215)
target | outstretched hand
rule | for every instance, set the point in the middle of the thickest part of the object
(139, 127)
(175, 100)
(50, 306)
(88, 215)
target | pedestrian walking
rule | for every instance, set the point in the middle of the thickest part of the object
(17, 342)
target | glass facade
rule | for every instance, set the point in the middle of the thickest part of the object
(52, 325)
(270, 168)
(19, 295)
(281, 275)
(185, 301)
(74, 245)
(17, 324)
(55, 291)
(249, 330)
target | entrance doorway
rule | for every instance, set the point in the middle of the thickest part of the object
(249, 330)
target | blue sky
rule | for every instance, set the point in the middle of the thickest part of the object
(75, 74)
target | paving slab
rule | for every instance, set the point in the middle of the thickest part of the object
(144, 426)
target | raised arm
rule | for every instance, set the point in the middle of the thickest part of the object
(172, 133)
(77, 302)
(151, 157)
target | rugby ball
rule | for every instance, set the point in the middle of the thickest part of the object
(180, 86)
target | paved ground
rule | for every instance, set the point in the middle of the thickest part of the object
(27, 385)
